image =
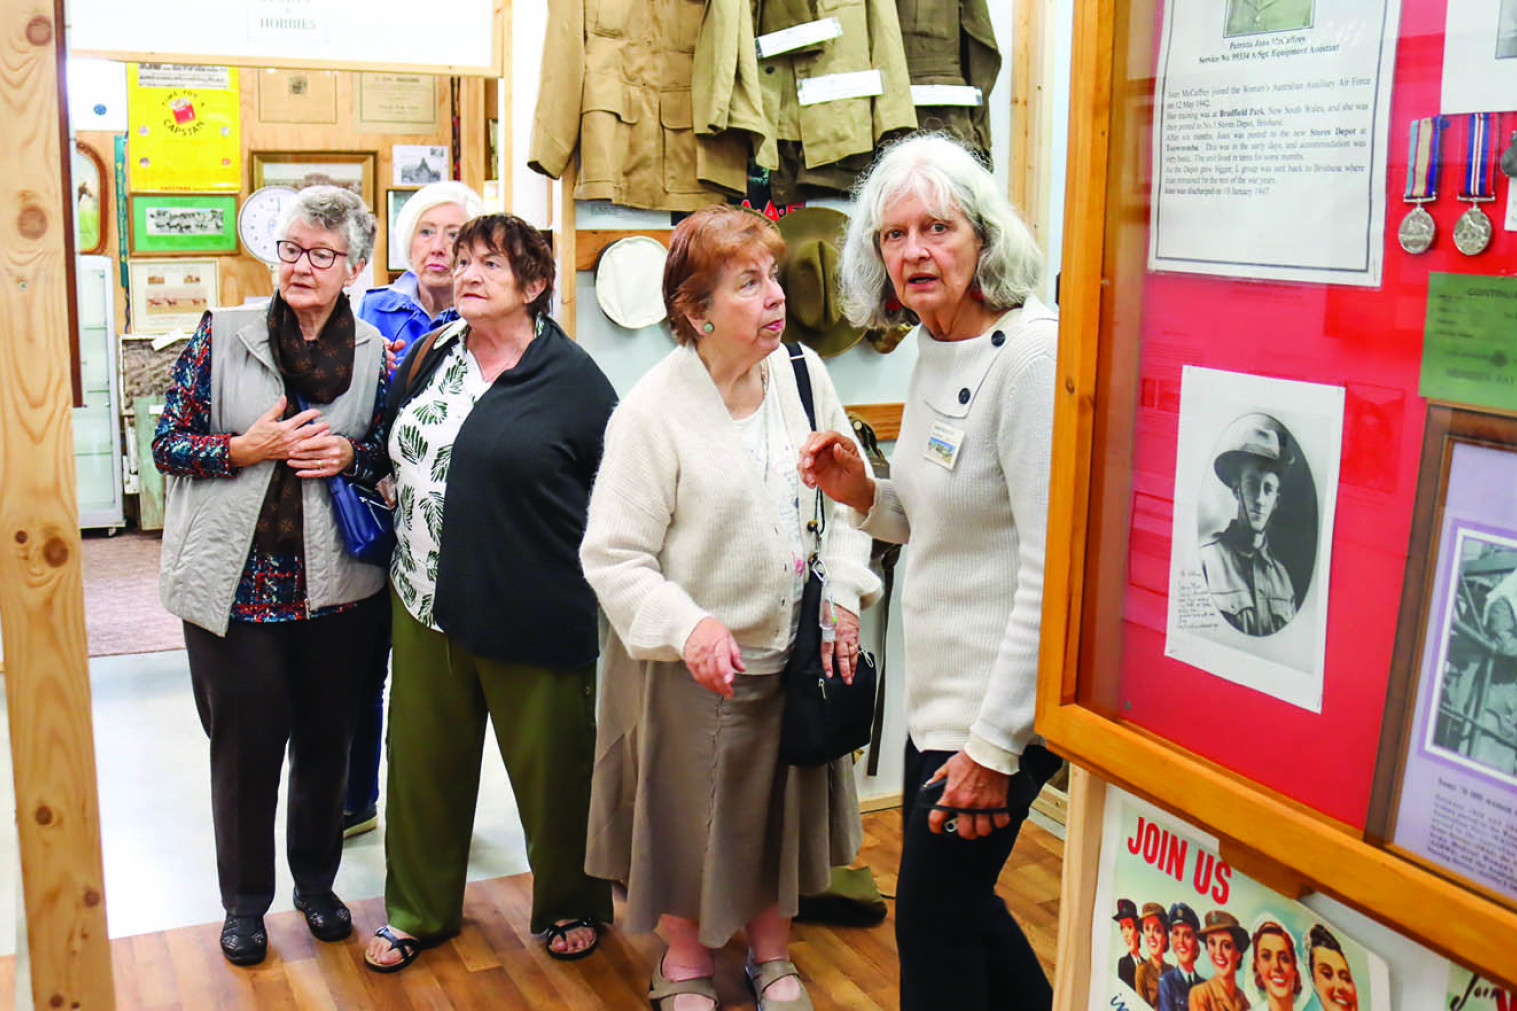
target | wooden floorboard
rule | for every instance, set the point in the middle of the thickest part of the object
(496, 964)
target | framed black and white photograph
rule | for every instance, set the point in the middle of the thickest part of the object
(417, 165)
(1256, 477)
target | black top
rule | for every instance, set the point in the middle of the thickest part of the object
(509, 585)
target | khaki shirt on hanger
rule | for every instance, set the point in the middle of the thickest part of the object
(660, 97)
(831, 131)
(952, 42)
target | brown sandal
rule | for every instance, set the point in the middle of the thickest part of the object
(661, 988)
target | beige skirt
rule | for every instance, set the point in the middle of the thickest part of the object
(691, 809)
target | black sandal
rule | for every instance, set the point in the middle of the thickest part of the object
(560, 931)
(409, 948)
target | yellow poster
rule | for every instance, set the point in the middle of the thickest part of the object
(184, 126)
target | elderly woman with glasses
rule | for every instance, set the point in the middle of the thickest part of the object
(280, 623)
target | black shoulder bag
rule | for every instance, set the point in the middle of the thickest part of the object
(825, 718)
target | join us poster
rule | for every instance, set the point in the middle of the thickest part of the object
(1178, 929)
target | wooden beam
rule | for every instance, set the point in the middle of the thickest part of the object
(885, 419)
(41, 566)
(472, 146)
(566, 244)
(1031, 119)
(591, 242)
(1082, 864)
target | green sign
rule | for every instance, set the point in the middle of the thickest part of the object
(1469, 346)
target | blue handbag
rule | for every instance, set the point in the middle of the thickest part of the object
(363, 519)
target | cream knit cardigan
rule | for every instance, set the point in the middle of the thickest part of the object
(681, 526)
(972, 594)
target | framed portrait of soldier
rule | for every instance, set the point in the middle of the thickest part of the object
(1256, 477)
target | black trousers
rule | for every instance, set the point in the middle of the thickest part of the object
(959, 946)
(262, 687)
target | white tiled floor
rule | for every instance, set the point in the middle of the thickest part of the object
(155, 809)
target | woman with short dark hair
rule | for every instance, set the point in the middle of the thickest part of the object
(494, 425)
(280, 622)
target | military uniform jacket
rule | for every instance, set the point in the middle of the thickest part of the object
(952, 42)
(831, 131)
(1250, 587)
(661, 98)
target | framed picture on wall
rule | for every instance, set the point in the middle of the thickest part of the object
(398, 258)
(352, 170)
(1447, 777)
(91, 203)
(196, 223)
(172, 294)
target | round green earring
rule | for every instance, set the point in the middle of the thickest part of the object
(708, 327)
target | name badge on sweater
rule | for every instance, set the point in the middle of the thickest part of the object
(943, 445)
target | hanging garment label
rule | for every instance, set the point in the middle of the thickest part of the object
(946, 94)
(796, 36)
(835, 87)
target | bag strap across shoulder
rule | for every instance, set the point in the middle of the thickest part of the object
(803, 382)
(818, 521)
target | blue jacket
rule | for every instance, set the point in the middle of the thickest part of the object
(396, 313)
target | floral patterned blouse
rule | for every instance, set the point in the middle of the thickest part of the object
(421, 446)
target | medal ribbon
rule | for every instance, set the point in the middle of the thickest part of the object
(1477, 177)
(1422, 159)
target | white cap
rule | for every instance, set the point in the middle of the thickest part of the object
(629, 281)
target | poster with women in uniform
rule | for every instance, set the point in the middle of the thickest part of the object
(1206, 937)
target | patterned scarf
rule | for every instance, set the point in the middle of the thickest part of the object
(318, 371)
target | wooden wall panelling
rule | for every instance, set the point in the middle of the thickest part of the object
(471, 130)
(243, 276)
(41, 571)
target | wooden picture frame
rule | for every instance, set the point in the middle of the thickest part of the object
(92, 184)
(163, 224)
(1439, 603)
(395, 259)
(172, 294)
(352, 170)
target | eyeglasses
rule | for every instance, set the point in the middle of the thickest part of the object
(320, 256)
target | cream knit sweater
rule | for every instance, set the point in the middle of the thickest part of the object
(972, 594)
(681, 526)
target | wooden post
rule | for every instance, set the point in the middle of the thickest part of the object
(566, 244)
(1082, 862)
(1030, 117)
(41, 569)
(471, 132)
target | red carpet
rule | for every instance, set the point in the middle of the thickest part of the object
(121, 609)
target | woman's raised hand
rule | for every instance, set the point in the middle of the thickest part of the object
(713, 656)
(832, 462)
(270, 438)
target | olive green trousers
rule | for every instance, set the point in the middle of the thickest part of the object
(440, 697)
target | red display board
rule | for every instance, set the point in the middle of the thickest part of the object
(1370, 342)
